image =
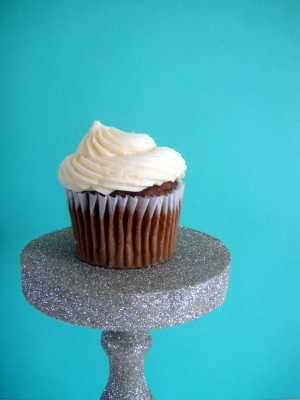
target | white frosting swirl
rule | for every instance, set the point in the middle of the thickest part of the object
(109, 159)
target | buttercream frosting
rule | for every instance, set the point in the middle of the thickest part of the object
(108, 159)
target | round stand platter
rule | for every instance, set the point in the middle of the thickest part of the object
(126, 304)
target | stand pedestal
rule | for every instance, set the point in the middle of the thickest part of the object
(126, 352)
(125, 303)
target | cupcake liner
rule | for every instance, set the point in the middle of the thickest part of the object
(125, 232)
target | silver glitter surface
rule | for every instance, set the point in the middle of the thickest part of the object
(193, 282)
(126, 352)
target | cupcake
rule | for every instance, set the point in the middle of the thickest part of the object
(124, 196)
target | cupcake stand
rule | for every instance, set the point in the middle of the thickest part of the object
(126, 304)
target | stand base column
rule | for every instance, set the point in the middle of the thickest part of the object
(126, 352)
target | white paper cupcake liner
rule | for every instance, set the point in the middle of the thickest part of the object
(125, 232)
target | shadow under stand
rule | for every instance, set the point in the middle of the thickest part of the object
(126, 304)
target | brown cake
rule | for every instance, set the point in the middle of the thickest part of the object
(155, 190)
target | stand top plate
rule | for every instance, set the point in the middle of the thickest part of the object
(190, 284)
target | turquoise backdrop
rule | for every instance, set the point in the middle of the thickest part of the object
(219, 81)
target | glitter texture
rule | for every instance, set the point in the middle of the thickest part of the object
(193, 282)
(125, 302)
(126, 352)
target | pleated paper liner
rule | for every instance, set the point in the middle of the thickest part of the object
(125, 232)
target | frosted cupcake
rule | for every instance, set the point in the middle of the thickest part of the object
(124, 195)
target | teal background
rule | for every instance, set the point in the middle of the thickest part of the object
(219, 82)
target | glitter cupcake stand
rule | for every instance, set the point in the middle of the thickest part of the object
(126, 304)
